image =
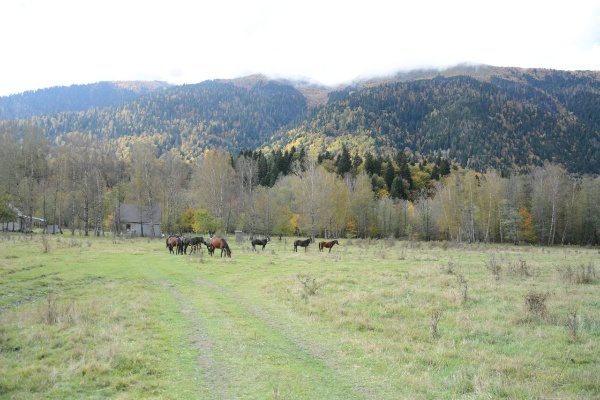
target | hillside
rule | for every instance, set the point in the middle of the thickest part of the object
(499, 122)
(480, 117)
(73, 98)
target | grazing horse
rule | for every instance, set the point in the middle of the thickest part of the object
(327, 245)
(209, 246)
(218, 243)
(260, 242)
(302, 243)
(196, 243)
(180, 245)
(172, 243)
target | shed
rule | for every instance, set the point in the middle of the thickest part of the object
(140, 221)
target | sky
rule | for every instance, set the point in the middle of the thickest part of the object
(63, 42)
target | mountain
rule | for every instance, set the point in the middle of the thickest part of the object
(507, 120)
(478, 116)
(73, 98)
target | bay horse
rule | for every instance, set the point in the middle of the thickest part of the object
(327, 245)
(172, 243)
(260, 242)
(302, 243)
(218, 243)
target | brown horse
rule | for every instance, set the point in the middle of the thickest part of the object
(172, 243)
(302, 243)
(327, 245)
(218, 243)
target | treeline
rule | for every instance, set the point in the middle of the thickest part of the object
(79, 185)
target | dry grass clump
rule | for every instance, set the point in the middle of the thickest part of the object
(536, 304)
(582, 274)
(494, 266)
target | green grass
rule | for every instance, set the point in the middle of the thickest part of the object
(107, 318)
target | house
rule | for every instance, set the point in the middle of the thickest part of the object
(21, 222)
(136, 221)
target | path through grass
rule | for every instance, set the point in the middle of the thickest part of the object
(101, 317)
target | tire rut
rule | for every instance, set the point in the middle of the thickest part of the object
(215, 376)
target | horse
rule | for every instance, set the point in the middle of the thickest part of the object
(260, 242)
(196, 243)
(218, 243)
(209, 247)
(302, 243)
(181, 247)
(327, 245)
(171, 243)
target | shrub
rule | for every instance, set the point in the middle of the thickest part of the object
(573, 324)
(309, 284)
(519, 268)
(494, 267)
(46, 244)
(436, 316)
(584, 274)
(536, 303)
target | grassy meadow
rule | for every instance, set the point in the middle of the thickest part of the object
(374, 319)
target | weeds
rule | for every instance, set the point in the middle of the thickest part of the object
(519, 268)
(536, 304)
(309, 284)
(573, 324)
(434, 320)
(463, 288)
(51, 314)
(494, 267)
(450, 268)
(45, 244)
(583, 274)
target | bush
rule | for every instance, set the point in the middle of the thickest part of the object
(584, 274)
(536, 304)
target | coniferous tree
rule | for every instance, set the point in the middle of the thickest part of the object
(344, 163)
(389, 174)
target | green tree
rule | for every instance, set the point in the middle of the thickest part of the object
(205, 222)
(344, 163)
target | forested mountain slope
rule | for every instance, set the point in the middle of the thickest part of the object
(191, 118)
(73, 98)
(480, 117)
(500, 122)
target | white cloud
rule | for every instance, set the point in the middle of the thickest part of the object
(66, 41)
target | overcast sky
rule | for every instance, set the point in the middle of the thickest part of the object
(62, 42)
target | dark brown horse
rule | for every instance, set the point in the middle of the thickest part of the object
(302, 243)
(327, 245)
(196, 243)
(260, 242)
(218, 243)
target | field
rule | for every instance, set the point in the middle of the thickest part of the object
(120, 318)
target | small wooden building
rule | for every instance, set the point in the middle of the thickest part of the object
(140, 221)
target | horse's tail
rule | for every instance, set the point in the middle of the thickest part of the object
(321, 246)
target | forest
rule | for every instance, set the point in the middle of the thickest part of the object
(80, 183)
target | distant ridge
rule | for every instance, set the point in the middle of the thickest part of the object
(73, 98)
